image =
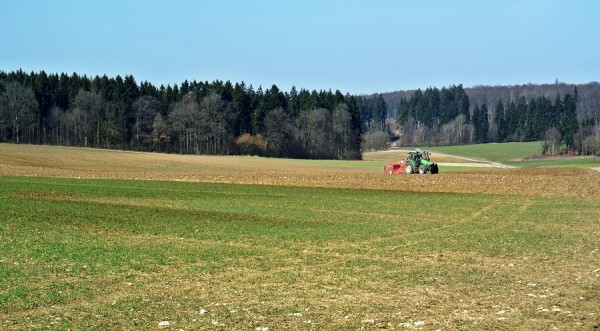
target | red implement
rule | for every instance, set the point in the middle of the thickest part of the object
(394, 168)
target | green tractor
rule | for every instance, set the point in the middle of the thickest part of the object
(418, 162)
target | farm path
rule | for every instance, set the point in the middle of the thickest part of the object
(471, 162)
(479, 162)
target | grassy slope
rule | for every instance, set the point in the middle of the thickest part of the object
(514, 153)
(494, 152)
(81, 254)
(585, 162)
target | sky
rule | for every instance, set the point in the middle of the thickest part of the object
(355, 46)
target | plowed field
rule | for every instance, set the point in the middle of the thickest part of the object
(47, 161)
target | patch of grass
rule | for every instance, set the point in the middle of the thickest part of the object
(497, 152)
(559, 162)
(106, 254)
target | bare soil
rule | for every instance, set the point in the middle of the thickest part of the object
(66, 162)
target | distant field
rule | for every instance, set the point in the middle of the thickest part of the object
(516, 154)
(584, 162)
(94, 239)
(497, 152)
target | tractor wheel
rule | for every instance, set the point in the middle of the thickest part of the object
(434, 169)
(422, 170)
(409, 168)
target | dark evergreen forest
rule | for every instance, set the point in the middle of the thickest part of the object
(192, 118)
(444, 117)
(558, 114)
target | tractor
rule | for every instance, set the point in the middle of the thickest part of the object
(416, 162)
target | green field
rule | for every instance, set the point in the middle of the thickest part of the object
(577, 162)
(515, 154)
(109, 254)
(496, 152)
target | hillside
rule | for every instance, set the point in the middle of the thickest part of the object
(588, 95)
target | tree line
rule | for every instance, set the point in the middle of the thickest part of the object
(588, 99)
(445, 117)
(191, 118)
(225, 118)
(588, 95)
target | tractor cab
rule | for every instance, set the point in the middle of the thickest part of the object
(419, 161)
(418, 156)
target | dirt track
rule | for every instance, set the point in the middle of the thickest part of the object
(441, 159)
(48, 161)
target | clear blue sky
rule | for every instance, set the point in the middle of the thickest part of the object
(356, 46)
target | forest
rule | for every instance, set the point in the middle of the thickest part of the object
(222, 118)
(217, 118)
(567, 120)
(443, 116)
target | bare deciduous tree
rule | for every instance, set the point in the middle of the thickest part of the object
(552, 142)
(319, 126)
(89, 109)
(251, 145)
(375, 141)
(145, 108)
(457, 131)
(342, 131)
(591, 145)
(20, 108)
(4, 118)
(215, 115)
(160, 135)
(277, 132)
(185, 119)
(57, 126)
